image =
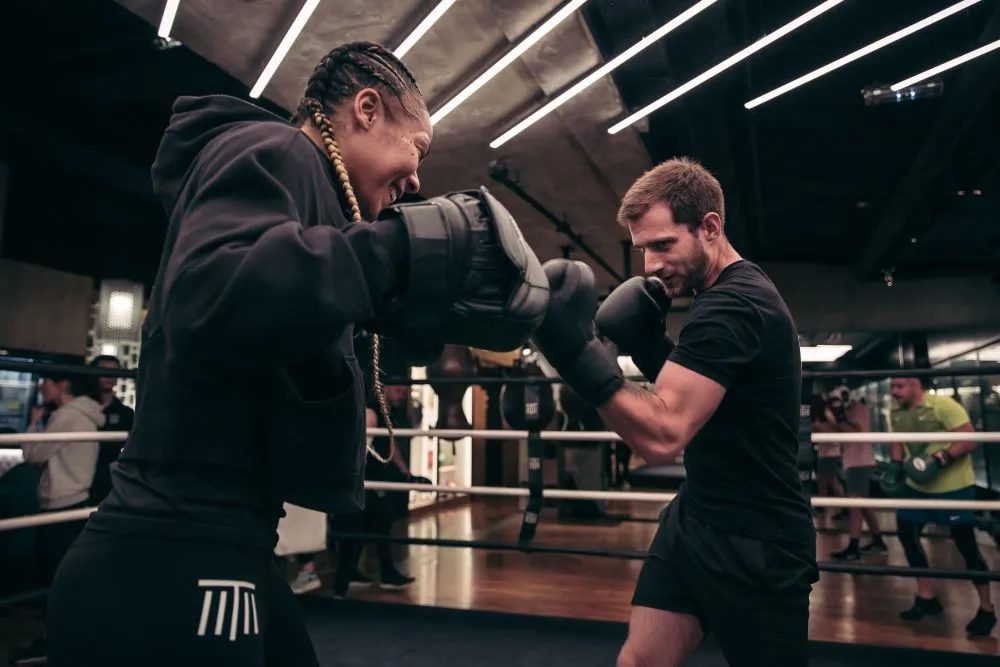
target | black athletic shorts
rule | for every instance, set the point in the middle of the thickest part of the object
(125, 601)
(752, 595)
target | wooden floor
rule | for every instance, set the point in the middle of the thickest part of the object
(845, 608)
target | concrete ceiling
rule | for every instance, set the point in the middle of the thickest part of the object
(567, 162)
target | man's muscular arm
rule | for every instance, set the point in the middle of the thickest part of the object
(724, 332)
(658, 425)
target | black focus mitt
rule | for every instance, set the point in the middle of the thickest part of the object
(472, 279)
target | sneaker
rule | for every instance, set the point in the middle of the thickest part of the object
(395, 579)
(33, 654)
(847, 554)
(874, 547)
(922, 607)
(341, 588)
(305, 581)
(982, 625)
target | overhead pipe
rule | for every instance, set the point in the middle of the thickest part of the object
(501, 174)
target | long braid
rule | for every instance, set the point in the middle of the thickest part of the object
(340, 74)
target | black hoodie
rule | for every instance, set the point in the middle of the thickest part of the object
(248, 391)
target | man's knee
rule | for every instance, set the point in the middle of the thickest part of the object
(632, 655)
(626, 657)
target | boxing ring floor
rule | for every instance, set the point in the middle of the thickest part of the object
(846, 608)
(370, 633)
(487, 607)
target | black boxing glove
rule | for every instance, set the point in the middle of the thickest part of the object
(634, 317)
(469, 277)
(566, 337)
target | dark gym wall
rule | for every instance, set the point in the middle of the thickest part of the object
(44, 310)
(3, 200)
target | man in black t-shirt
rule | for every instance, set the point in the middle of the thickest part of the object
(735, 552)
(119, 417)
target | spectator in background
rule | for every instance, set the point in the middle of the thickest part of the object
(67, 473)
(380, 513)
(827, 459)
(119, 417)
(937, 471)
(843, 414)
(67, 467)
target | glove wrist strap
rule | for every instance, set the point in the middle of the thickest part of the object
(945, 457)
(594, 374)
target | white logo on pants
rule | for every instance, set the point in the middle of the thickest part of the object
(236, 601)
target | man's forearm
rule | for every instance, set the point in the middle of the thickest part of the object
(641, 418)
(960, 449)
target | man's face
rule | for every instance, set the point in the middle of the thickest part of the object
(905, 391)
(671, 251)
(107, 384)
(51, 390)
(396, 394)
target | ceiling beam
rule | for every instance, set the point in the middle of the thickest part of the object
(961, 106)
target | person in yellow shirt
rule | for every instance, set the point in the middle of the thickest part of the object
(937, 471)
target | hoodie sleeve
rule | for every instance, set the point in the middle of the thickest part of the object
(246, 280)
(63, 420)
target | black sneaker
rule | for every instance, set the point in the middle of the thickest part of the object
(874, 547)
(33, 654)
(848, 554)
(922, 607)
(982, 625)
(341, 587)
(395, 579)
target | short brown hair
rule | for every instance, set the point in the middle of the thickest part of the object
(683, 184)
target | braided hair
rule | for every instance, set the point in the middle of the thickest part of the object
(341, 74)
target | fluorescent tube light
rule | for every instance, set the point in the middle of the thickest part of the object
(862, 52)
(817, 354)
(609, 67)
(954, 62)
(725, 64)
(561, 15)
(423, 27)
(167, 20)
(286, 43)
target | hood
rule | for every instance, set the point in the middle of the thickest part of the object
(89, 408)
(195, 122)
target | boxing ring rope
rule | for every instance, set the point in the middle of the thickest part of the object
(15, 439)
(130, 373)
(540, 494)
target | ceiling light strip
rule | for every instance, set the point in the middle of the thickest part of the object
(725, 64)
(558, 17)
(862, 52)
(286, 43)
(954, 62)
(597, 74)
(422, 28)
(167, 20)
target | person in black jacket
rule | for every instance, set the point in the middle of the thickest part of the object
(118, 417)
(249, 392)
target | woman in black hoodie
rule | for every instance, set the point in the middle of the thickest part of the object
(249, 393)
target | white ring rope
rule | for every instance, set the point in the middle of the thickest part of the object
(560, 494)
(575, 436)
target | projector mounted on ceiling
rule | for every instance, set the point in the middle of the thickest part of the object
(876, 94)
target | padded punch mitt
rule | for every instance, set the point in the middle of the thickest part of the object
(473, 280)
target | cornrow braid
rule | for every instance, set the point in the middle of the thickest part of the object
(339, 75)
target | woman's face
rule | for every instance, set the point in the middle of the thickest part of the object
(383, 150)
